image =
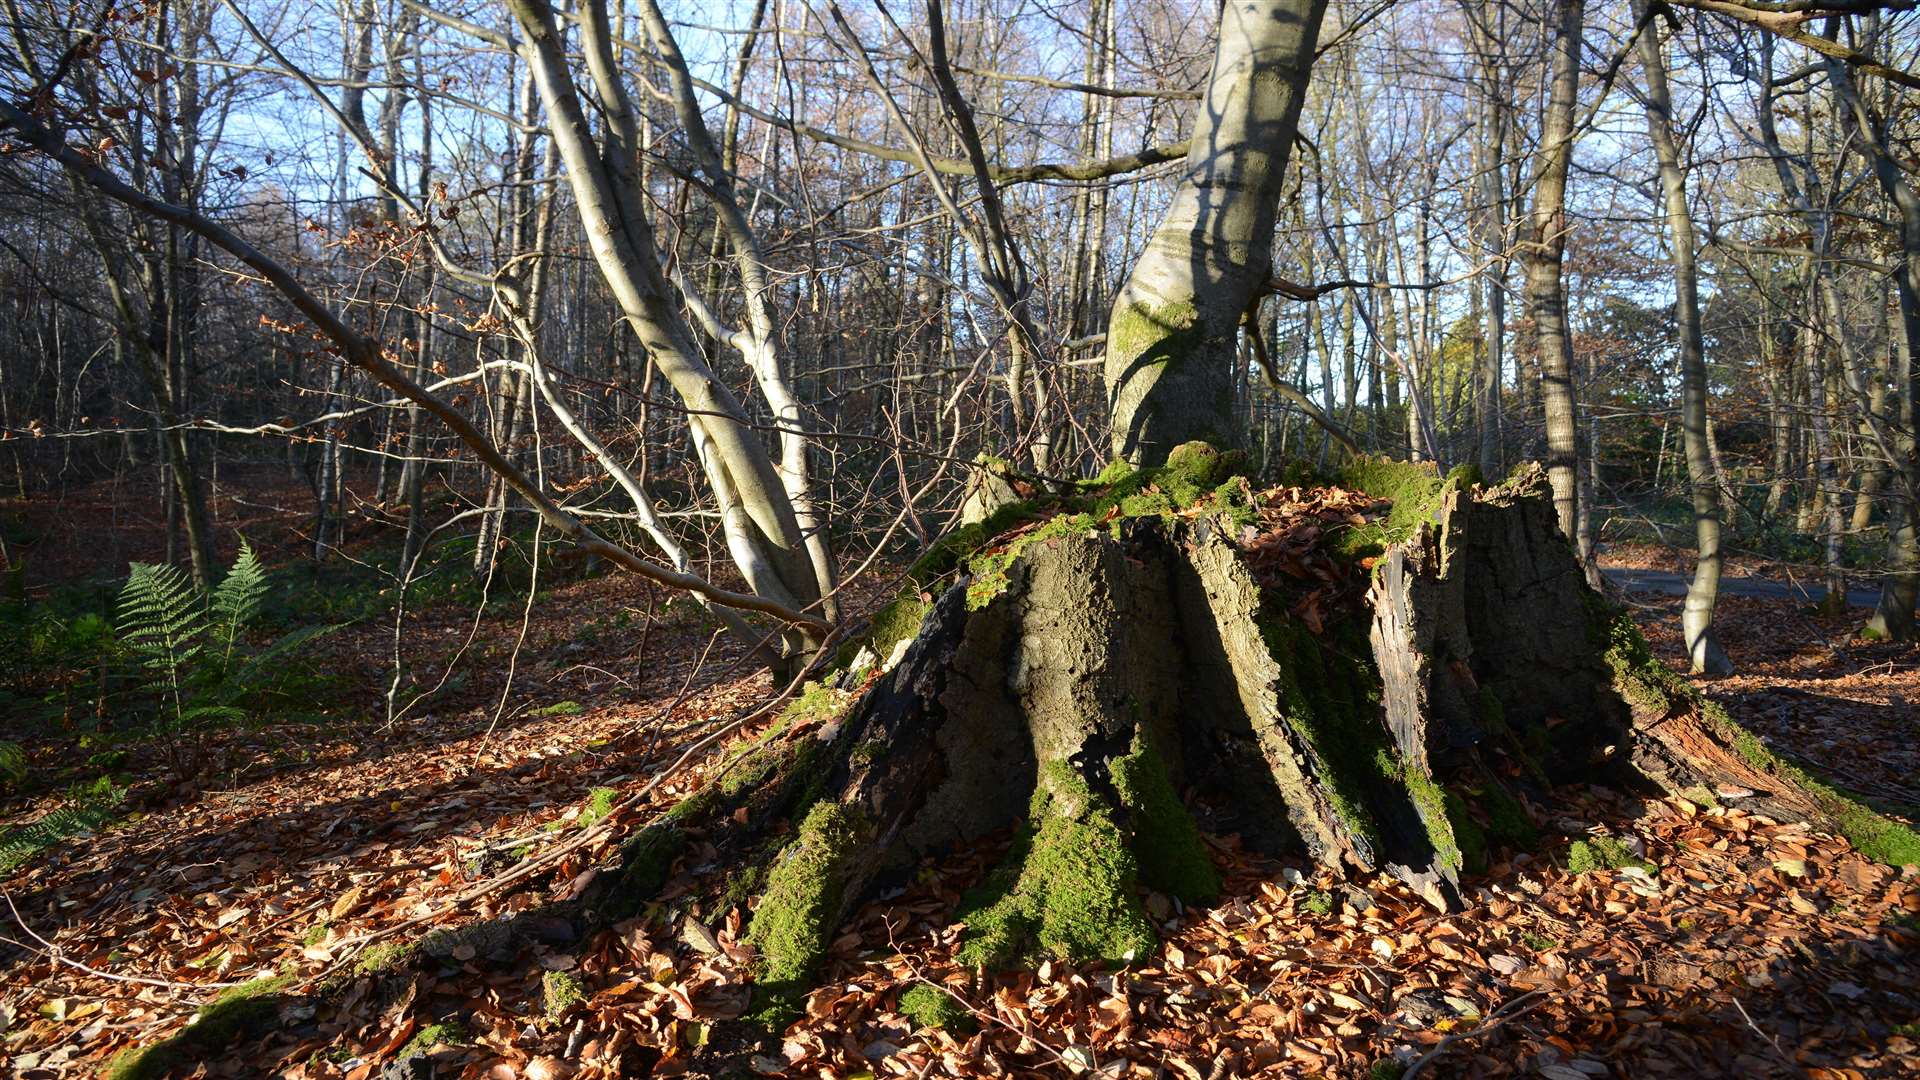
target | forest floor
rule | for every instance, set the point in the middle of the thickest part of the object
(1752, 949)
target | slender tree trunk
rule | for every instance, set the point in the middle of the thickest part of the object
(1696, 619)
(1545, 252)
(1894, 616)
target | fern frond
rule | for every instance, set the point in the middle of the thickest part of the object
(250, 676)
(87, 808)
(161, 621)
(13, 761)
(219, 712)
(236, 600)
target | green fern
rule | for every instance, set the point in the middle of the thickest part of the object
(189, 646)
(255, 672)
(161, 624)
(236, 600)
(13, 762)
(88, 806)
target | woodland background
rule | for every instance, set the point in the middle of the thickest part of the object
(417, 684)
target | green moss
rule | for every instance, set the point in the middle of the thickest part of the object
(1195, 475)
(1467, 833)
(895, 623)
(443, 1033)
(1151, 335)
(236, 1013)
(559, 992)
(1074, 882)
(1603, 853)
(805, 889)
(1324, 701)
(1434, 809)
(817, 703)
(930, 1006)
(743, 885)
(1414, 488)
(990, 568)
(599, 804)
(1386, 1069)
(315, 934)
(1507, 818)
(1117, 470)
(952, 551)
(1650, 686)
(1318, 901)
(558, 708)
(386, 956)
(647, 860)
(1171, 854)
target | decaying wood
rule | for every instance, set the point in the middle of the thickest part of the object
(1481, 670)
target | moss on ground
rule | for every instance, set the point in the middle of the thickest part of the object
(1171, 855)
(236, 1013)
(443, 1033)
(1069, 888)
(599, 804)
(1603, 853)
(805, 889)
(1654, 689)
(560, 991)
(558, 708)
(386, 956)
(930, 1006)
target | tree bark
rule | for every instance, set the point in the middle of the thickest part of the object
(1696, 619)
(1174, 330)
(1090, 666)
(1545, 251)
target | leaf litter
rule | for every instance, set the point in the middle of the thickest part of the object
(1748, 948)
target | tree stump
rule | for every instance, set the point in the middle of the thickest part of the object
(1382, 690)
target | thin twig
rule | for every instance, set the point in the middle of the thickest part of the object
(1501, 1017)
(53, 953)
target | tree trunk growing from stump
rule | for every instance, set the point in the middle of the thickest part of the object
(1166, 633)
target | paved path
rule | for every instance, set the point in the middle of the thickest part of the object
(1661, 581)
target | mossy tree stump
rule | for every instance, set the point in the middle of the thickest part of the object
(1086, 668)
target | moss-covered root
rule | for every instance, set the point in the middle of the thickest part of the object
(1166, 843)
(806, 894)
(1069, 888)
(233, 1015)
(1684, 742)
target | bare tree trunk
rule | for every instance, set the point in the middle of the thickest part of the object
(1696, 619)
(763, 533)
(1175, 326)
(1894, 616)
(1545, 251)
